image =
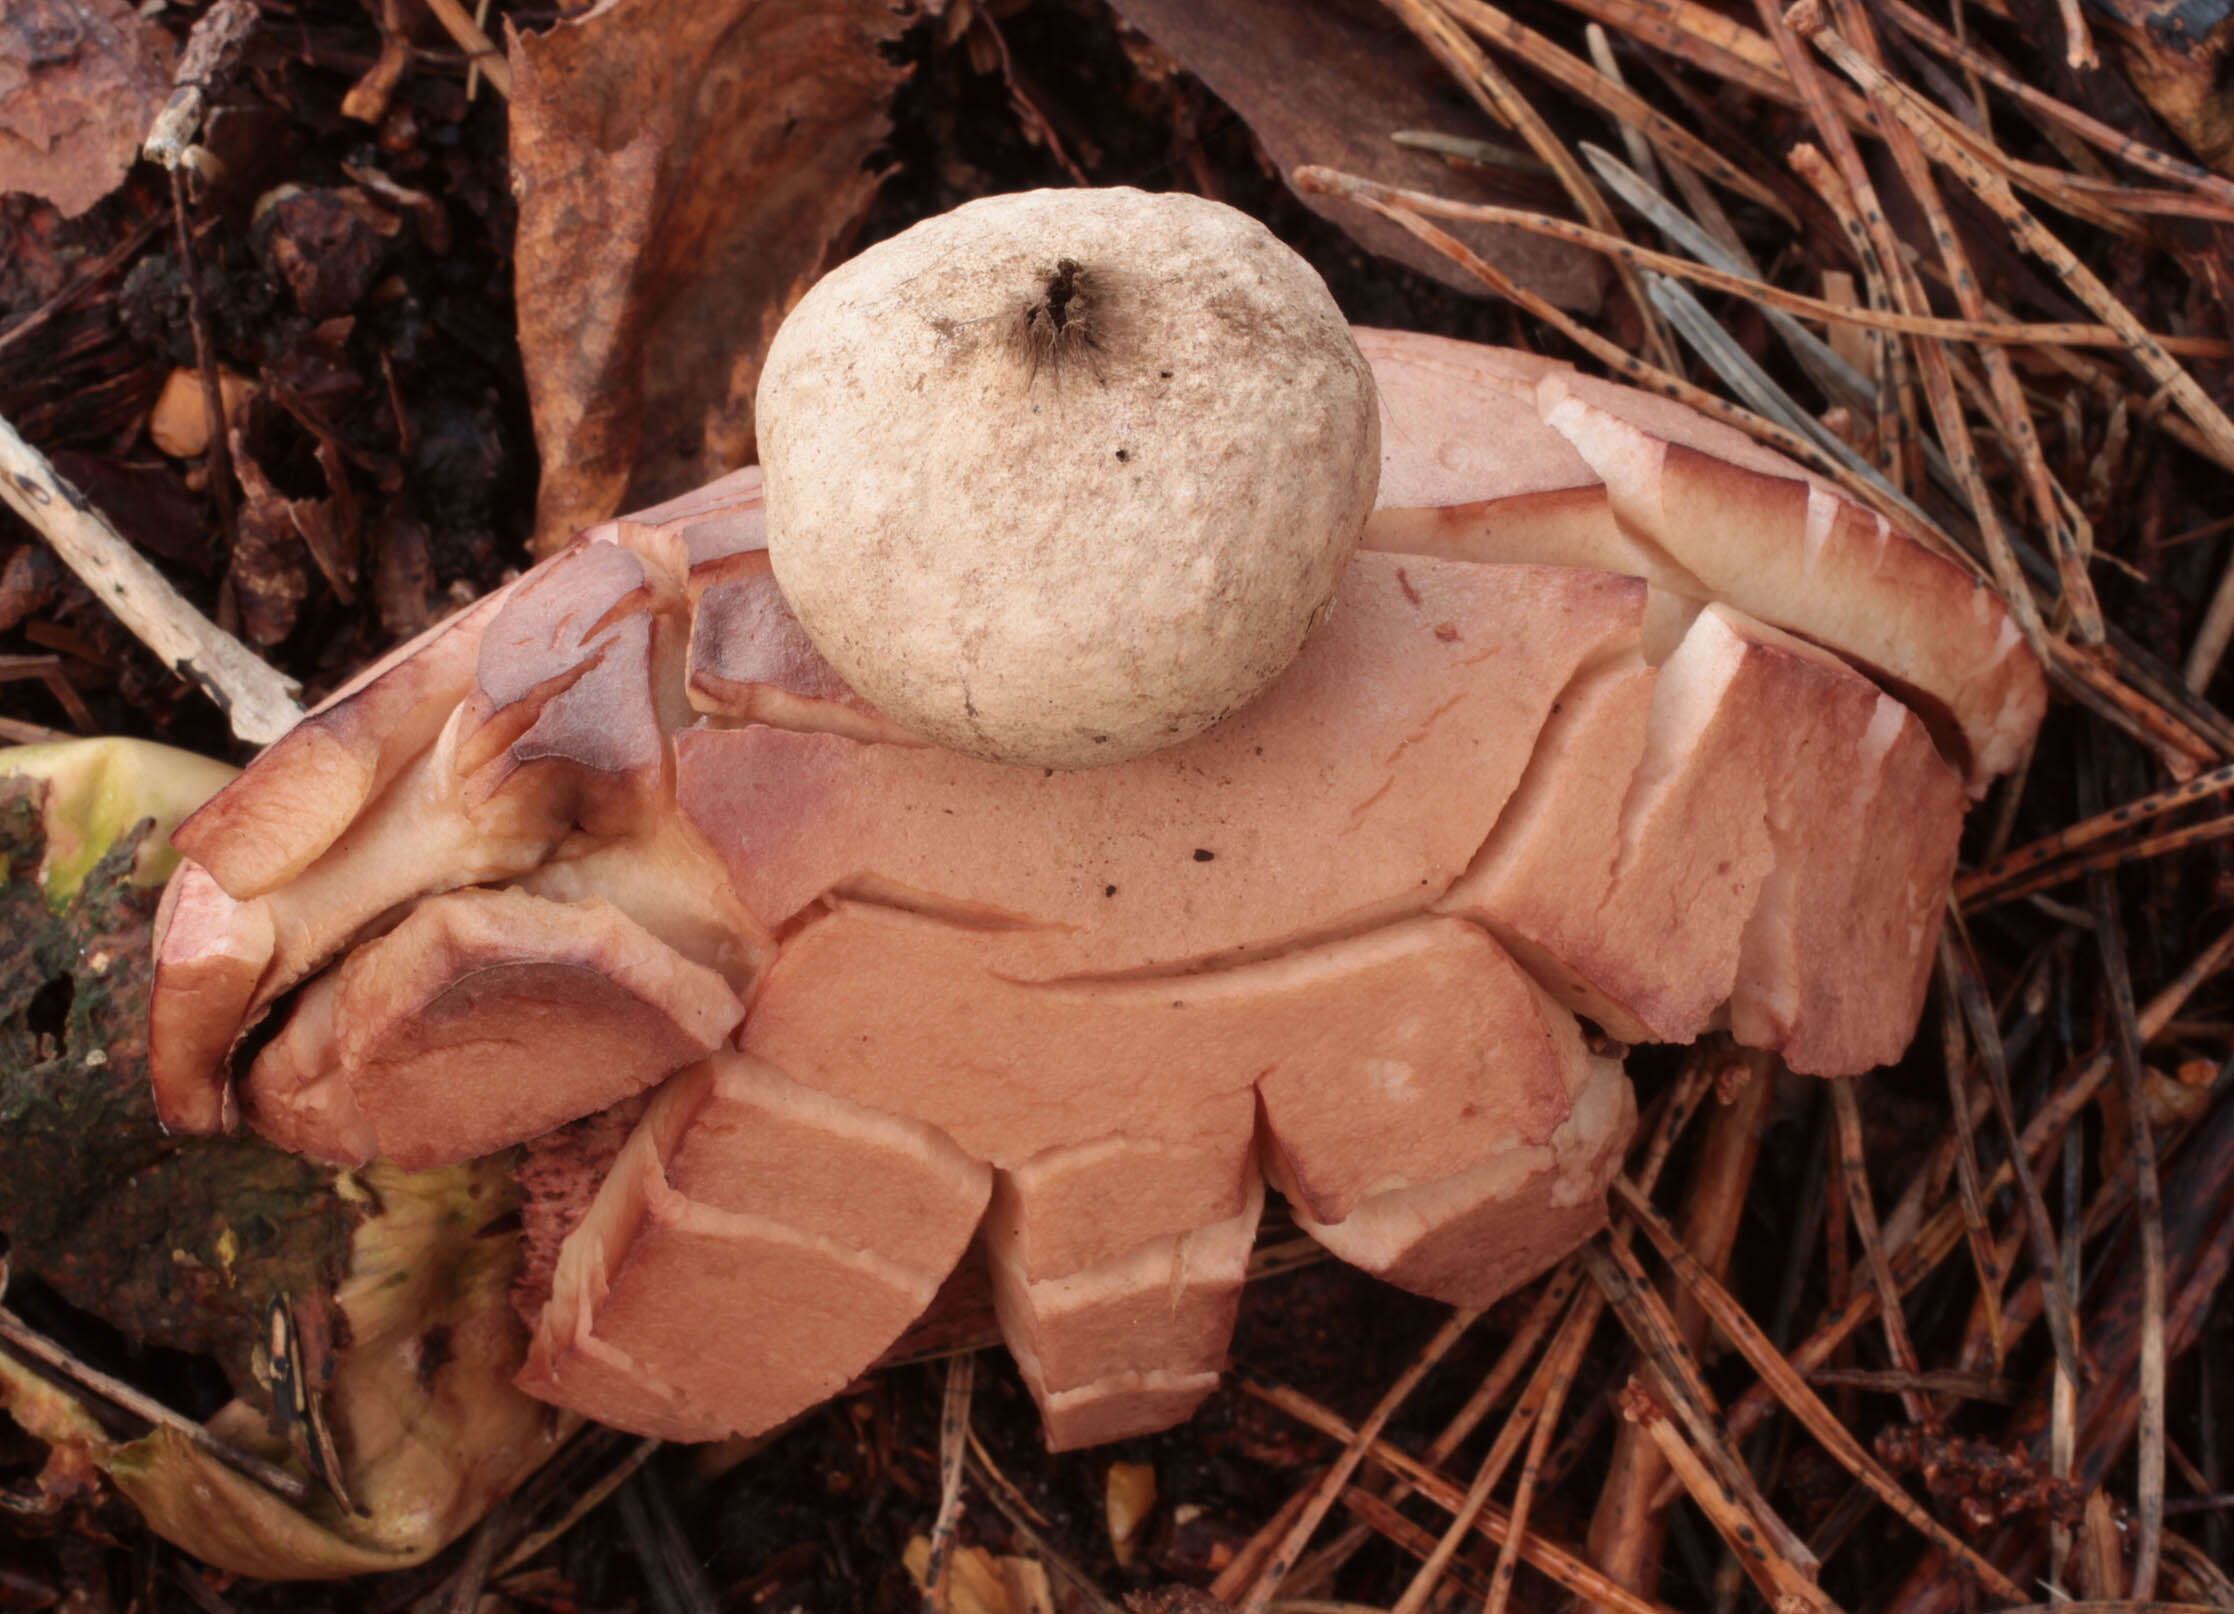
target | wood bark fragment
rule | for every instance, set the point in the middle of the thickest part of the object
(260, 704)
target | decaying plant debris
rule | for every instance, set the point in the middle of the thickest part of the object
(1941, 1337)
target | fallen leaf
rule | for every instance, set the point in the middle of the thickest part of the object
(684, 170)
(1128, 1497)
(402, 1280)
(1324, 81)
(2175, 54)
(979, 1583)
(79, 82)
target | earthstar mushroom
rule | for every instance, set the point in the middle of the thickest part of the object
(1563, 748)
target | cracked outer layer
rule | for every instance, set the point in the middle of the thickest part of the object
(1567, 750)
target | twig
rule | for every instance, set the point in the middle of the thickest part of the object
(2030, 233)
(99, 270)
(220, 451)
(1331, 1483)
(1568, 1569)
(1627, 1534)
(1982, 881)
(1673, 1376)
(1942, 1232)
(212, 48)
(481, 51)
(259, 702)
(1779, 1380)
(2149, 846)
(1781, 1582)
(1044, 1550)
(1981, 330)
(588, 1501)
(1917, 25)
(1846, 1115)
(678, 1583)
(466, 1583)
(1962, 1386)
(1433, 22)
(1977, 1229)
(2109, 936)
(1567, 1353)
(1884, 247)
(1608, 93)
(1545, 1385)
(32, 1343)
(1628, 366)
(954, 1433)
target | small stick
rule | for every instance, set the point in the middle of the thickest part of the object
(1606, 91)
(1894, 405)
(1782, 1383)
(1569, 1351)
(212, 48)
(1566, 1568)
(2012, 413)
(2124, 147)
(1044, 1550)
(2086, 832)
(1502, 99)
(1379, 1517)
(471, 1577)
(258, 701)
(1669, 1117)
(1672, 1367)
(1256, 1552)
(1988, 332)
(1906, 292)
(1977, 1228)
(1331, 1483)
(1633, 369)
(1630, 129)
(1718, 44)
(32, 1343)
(48, 671)
(1846, 1114)
(2082, 672)
(1962, 1386)
(481, 51)
(2140, 851)
(473, 66)
(101, 268)
(1942, 1232)
(2029, 232)
(2109, 936)
(954, 1445)
(987, 1469)
(592, 1497)
(2078, 42)
(1551, 1300)
(219, 455)
(1782, 1585)
(1969, 989)
(1627, 1534)
(1552, 1375)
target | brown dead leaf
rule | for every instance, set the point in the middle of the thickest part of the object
(977, 1582)
(79, 82)
(1128, 1497)
(683, 169)
(1328, 81)
(2175, 53)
